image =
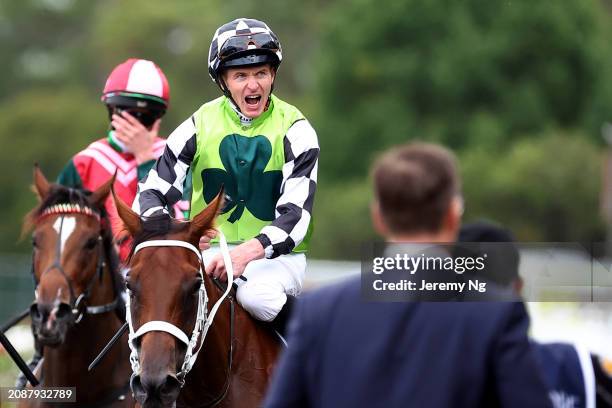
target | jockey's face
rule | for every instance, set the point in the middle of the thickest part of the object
(250, 88)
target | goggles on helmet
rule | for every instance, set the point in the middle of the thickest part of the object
(247, 42)
(144, 108)
(147, 118)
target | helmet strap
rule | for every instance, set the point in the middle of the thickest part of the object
(274, 68)
(228, 95)
(225, 89)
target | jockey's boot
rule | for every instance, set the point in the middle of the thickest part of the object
(21, 381)
(282, 318)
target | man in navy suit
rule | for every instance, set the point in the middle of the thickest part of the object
(346, 352)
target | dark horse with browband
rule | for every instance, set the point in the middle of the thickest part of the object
(78, 304)
(172, 305)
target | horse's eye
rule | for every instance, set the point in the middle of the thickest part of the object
(197, 285)
(34, 242)
(91, 243)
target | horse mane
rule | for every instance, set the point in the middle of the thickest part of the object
(59, 194)
(112, 257)
(156, 226)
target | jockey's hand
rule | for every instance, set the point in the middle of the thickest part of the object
(205, 240)
(135, 136)
(241, 256)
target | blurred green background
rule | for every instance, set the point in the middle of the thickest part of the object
(518, 89)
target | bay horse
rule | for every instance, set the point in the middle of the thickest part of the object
(78, 304)
(170, 298)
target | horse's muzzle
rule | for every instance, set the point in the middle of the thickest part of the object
(153, 391)
(50, 323)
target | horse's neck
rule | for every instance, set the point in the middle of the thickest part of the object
(68, 363)
(217, 339)
(212, 363)
(254, 354)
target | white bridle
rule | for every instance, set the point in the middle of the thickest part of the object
(202, 323)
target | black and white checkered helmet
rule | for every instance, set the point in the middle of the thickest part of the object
(243, 42)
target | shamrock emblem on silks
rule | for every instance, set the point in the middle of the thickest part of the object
(246, 184)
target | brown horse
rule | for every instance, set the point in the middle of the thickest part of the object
(78, 302)
(165, 284)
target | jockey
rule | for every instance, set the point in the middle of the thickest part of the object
(265, 154)
(136, 96)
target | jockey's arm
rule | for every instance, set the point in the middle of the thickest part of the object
(294, 206)
(163, 185)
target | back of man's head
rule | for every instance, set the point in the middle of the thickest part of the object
(414, 186)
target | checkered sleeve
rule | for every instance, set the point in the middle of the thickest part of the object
(162, 187)
(294, 207)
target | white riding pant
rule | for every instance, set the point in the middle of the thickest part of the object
(268, 283)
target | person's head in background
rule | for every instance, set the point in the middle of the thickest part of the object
(136, 95)
(417, 194)
(138, 87)
(502, 262)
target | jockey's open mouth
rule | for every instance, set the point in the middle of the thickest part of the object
(252, 100)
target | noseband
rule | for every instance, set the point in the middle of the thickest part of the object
(77, 304)
(203, 319)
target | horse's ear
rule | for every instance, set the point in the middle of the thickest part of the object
(41, 184)
(130, 219)
(99, 196)
(206, 218)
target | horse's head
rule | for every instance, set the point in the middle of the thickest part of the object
(166, 288)
(67, 255)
